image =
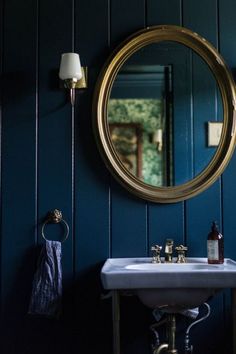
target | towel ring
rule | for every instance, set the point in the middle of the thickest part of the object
(55, 217)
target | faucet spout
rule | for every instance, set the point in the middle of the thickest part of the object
(169, 250)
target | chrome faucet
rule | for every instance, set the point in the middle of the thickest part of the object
(169, 250)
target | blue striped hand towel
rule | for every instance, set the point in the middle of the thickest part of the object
(47, 284)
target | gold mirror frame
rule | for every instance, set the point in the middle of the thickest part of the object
(100, 122)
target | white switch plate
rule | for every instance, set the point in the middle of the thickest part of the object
(214, 133)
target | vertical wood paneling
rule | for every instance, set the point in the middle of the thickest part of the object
(55, 130)
(18, 139)
(164, 12)
(229, 197)
(54, 179)
(201, 210)
(105, 220)
(18, 167)
(1, 103)
(129, 228)
(227, 49)
(227, 31)
(206, 26)
(92, 191)
(128, 216)
(166, 221)
(125, 10)
(92, 207)
(198, 219)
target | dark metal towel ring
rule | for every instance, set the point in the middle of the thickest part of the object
(55, 217)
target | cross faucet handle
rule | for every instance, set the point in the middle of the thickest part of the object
(156, 253)
(181, 249)
(156, 248)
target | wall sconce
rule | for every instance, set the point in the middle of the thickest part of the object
(72, 74)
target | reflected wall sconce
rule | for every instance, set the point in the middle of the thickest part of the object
(158, 139)
(73, 75)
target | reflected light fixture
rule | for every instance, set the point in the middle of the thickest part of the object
(72, 74)
(158, 139)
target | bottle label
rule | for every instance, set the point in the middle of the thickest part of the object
(213, 250)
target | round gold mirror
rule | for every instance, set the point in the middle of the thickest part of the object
(164, 114)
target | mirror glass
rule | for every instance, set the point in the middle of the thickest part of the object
(165, 114)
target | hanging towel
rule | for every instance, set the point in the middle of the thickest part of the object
(47, 284)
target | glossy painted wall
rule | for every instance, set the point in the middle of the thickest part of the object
(49, 160)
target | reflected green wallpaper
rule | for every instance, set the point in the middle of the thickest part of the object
(147, 113)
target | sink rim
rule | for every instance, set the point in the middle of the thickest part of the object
(115, 275)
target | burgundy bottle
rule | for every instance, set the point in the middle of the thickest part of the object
(215, 246)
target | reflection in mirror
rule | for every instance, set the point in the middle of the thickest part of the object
(159, 110)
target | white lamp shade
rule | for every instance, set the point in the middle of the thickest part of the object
(70, 67)
(157, 136)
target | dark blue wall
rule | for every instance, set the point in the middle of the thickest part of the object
(49, 160)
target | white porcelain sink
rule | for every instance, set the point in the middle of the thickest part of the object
(171, 285)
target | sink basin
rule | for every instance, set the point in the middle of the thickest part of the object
(174, 267)
(170, 285)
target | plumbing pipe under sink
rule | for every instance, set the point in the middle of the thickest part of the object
(160, 348)
(169, 347)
